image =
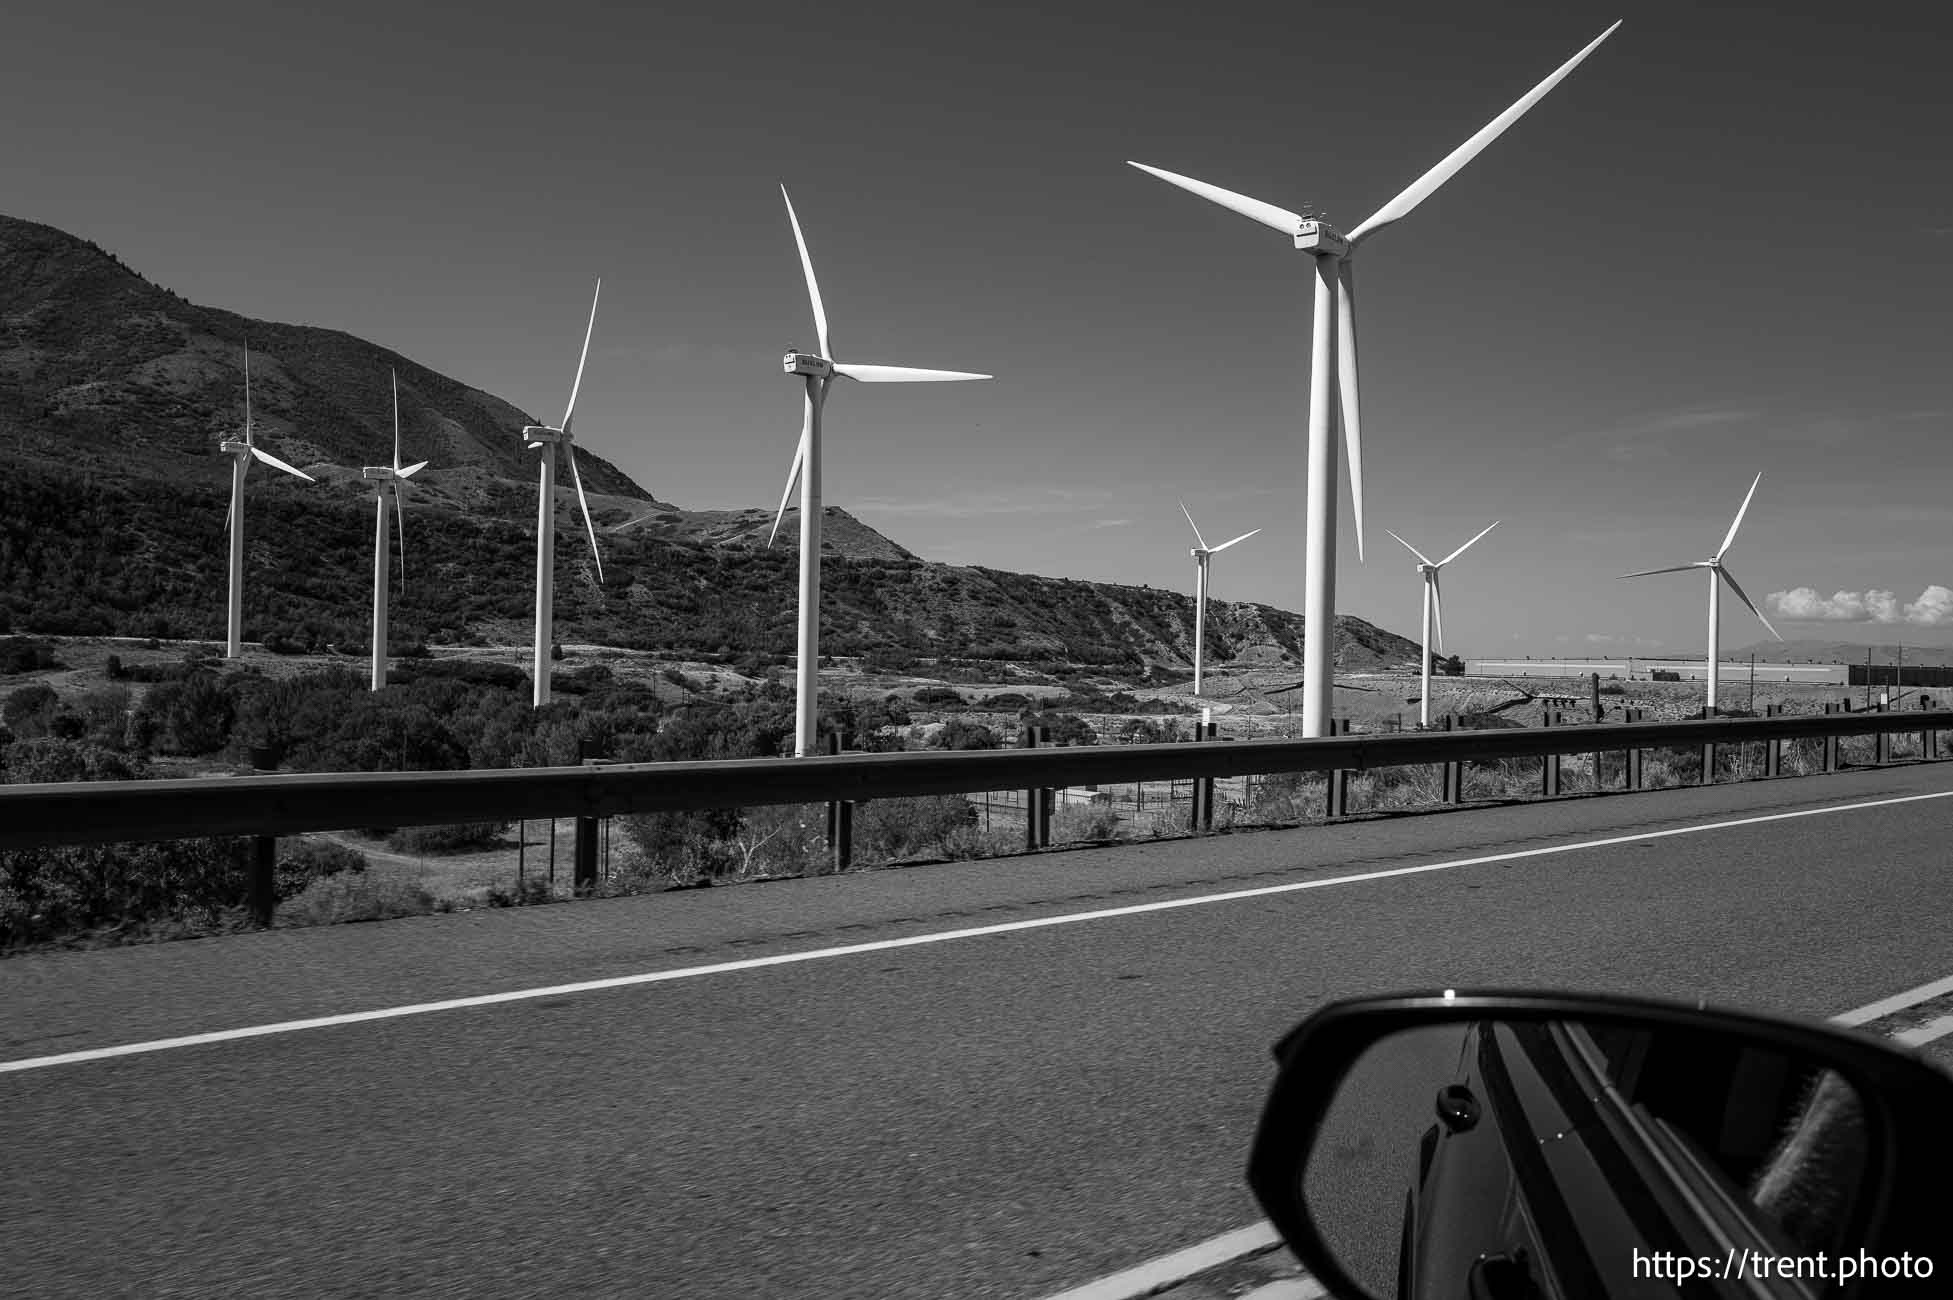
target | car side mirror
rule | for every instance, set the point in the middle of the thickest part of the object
(1516, 1146)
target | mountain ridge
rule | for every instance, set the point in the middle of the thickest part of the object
(114, 396)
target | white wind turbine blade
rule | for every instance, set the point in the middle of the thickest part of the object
(584, 501)
(247, 394)
(1744, 597)
(902, 374)
(1468, 545)
(275, 463)
(1673, 568)
(1347, 388)
(1191, 524)
(1437, 607)
(570, 412)
(1738, 521)
(793, 474)
(807, 265)
(1289, 223)
(1421, 557)
(1242, 538)
(414, 469)
(1428, 183)
(400, 527)
(396, 421)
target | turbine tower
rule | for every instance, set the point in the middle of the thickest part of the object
(387, 482)
(1434, 608)
(243, 451)
(1333, 374)
(1716, 570)
(819, 370)
(546, 438)
(1202, 553)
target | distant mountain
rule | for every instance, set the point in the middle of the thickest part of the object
(114, 395)
(1811, 650)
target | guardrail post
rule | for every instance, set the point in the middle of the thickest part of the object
(1773, 748)
(1027, 738)
(1881, 743)
(264, 879)
(1204, 787)
(1338, 785)
(1454, 773)
(1635, 773)
(840, 820)
(583, 857)
(1047, 797)
(1549, 768)
(1831, 742)
(1928, 738)
(1709, 750)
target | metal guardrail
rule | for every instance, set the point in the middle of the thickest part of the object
(94, 812)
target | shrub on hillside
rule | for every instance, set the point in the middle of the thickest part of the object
(959, 734)
(937, 696)
(59, 893)
(887, 830)
(28, 710)
(21, 654)
(301, 861)
(456, 837)
(48, 759)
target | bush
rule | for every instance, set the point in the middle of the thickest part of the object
(958, 734)
(302, 861)
(531, 891)
(112, 668)
(454, 837)
(892, 829)
(62, 893)
(28, 710)
(1095, 822)
(355, 896)
(938, 695)
(20, 654)
(39, 761)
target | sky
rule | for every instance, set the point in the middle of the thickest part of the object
(1723, 245)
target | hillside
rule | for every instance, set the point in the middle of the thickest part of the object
(1813, 650)
(114, 396)
(102, 370)
(104, 556)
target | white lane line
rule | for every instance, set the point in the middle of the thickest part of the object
(1920, 1035)
(1145, 1279)
(911, 941)
(1157, 1275)
(1897, 1002)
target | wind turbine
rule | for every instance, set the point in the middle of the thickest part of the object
(1202, 553)
(1716, 570)
(1434, 608)
(547, 438)
(819, 371)
(387, 481)
(243, 451)
(1333, 375)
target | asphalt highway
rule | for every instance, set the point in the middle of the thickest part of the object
(997, 1114)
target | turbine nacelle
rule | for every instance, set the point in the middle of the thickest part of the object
(806, 363)
(538, 434)
(1322, 239)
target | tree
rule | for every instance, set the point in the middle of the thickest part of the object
(1449, 665)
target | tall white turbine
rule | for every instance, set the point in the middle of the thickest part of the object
(243, 451)
(1716, 570)
(819, 372)
(546, 438)
(387, 482)
(1434, 608)
(1333, 387)
(1201, 554)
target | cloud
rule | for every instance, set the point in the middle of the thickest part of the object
(1609, 638)
(1934, 608)
(1112, 523)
